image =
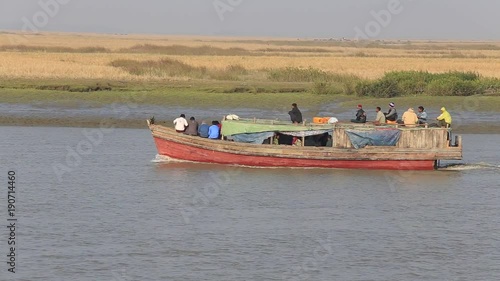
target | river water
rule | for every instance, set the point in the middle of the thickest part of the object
(112, 210)
(134, 112)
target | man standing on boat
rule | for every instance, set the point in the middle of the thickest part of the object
(181, 124)
(295, 114)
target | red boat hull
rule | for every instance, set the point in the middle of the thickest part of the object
(191, 153)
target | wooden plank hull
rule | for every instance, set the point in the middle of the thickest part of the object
(179, 146)
(189, 153)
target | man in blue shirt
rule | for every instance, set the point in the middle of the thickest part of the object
(203, 130)
(422, 115)
(213, 131)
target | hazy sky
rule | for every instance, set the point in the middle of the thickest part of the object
(411, 19)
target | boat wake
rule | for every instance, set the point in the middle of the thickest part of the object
(468, 167)
(165, 159)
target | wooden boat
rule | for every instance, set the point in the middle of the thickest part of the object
(417, 148)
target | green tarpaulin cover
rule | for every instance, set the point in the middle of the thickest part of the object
(234, 127)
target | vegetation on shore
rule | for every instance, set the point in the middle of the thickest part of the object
(418, 83)
(228, 95)
(102, 69)
(392, 84)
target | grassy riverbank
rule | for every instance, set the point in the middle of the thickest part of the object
(92, 70)
(209, 95)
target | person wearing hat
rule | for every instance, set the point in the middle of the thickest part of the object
(295, 114)
(392, 114)
(410, 118)
(444, 120)
(360, 115)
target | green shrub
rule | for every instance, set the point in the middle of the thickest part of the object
(326, 88)
(230, 73)
(441, 87)
(324, 83)
(349, 88)
(174, 68)
(411, 83)
(384, 88)
(490, 86)
(161, 68)
(453, 86)
(466, 76)
(365, 89)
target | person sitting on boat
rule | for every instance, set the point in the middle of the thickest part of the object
(181, 124)
(329, 142)
(276, 140)
(214, 131)
(203, 129)
(422, 115)
(219, 124)
(192, 129)
(295, 114)
(360, 115)
(380, 119)
(409, 118)
(444, 120)
(296, 141)
(392, 114)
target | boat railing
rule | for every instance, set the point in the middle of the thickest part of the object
(341, 124)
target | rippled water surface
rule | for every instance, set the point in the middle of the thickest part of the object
(122, 111)
(113, 212)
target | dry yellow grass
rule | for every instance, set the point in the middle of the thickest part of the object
(361, 61)
(117, 41)
(363, 67)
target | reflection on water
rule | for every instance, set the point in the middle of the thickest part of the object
(121, 214)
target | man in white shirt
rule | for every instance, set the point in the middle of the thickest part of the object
(380, 117)
(181, 124)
